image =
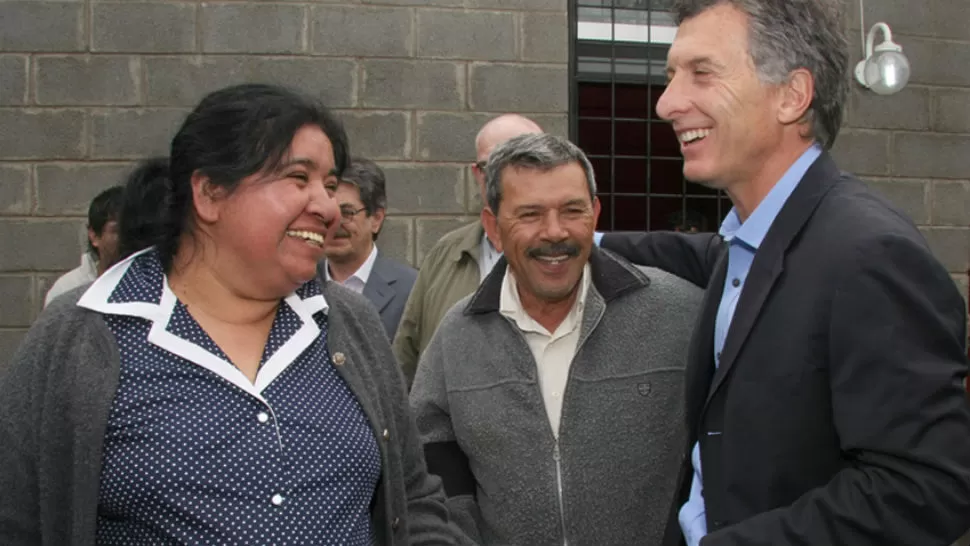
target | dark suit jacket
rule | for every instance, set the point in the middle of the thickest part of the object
(387, 288)
(837, 415)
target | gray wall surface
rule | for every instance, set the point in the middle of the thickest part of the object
(88, 87)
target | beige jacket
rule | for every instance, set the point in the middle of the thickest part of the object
(448, 273)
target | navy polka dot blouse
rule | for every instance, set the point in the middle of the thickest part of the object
(196, 454)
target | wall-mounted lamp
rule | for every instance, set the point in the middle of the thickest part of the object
(885, 70)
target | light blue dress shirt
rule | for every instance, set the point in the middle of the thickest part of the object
(743, 241)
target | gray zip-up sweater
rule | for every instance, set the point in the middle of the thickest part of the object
(56, 394)
(609, 479)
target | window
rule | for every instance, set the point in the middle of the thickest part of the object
(618, 55)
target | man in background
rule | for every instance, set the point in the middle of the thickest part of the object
(352, 256)
(459, 261)
(102, 249)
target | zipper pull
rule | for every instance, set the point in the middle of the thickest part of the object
(555, 452)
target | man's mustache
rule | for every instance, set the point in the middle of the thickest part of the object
(555, 249)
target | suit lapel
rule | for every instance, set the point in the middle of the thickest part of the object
(700, 371)
(769, 261)
(378, 288)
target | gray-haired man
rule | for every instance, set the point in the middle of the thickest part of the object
(550, 400)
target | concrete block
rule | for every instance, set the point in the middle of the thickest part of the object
(961, 282)
(87, 80)
(425, 188)
(937, 19)
(41, 134)
(134, 134)
(909, 195)
(45, 245)
(545, 37)
(416, 3)
(183, 81)
(361, 31)
(951, 203)
(519, 88)
(433, 85)
(461, 34)
(13, 80)
(951, 246)
(143, 27)
(926, 155)
(519, 5)
(253, 28)
(66, 189)
(444, 136)
(16, 295)
(937, 61)
(909, 109)
(430, 230)
(32, 27)
(396, 240)
(14, 189)
(378, 134)
(951, 110)
(862, 152)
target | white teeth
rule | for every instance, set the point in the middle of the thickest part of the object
(554, 260)
(694, 134)
(309, 236)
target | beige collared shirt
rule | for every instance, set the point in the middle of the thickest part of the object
(553, 352)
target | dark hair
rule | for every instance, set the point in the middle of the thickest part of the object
(103, 209)
(234, 133)
(147, 197)
(539, 151)
(369, 180)
(785, 35)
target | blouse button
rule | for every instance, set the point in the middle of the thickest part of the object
(262, 417)
(277, 499)
(386, 435)
(339, 359)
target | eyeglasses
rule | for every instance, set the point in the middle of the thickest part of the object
(348, 213)
(480, 165)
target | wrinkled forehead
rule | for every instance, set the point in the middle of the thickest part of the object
(717, 35)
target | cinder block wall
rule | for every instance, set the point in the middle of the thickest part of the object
(914, 146)
(88, 87)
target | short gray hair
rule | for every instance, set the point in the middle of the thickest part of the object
(785, 35)
(369, 180)
(539, 151)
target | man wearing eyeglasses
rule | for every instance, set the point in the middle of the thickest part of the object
(459, 261)
(352, 256)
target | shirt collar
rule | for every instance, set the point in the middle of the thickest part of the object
(511, 306)
(108, 293)
(752, 232)
(363, 272)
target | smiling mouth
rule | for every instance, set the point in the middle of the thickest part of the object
(694, 135)
(553, 260)
(310, 237)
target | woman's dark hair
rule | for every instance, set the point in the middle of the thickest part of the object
(234, 133)
(147, 198)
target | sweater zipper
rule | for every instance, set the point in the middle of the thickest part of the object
(556, 456)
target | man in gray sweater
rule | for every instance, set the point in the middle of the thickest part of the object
(550, 400)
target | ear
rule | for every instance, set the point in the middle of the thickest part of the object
(93, 238)
(205, 198)
(596, 211)
(490, 223)
(377, 220)
(796, 96)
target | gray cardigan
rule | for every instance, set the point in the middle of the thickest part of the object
(56, 394)
(478, 405)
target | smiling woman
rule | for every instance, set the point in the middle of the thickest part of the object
(209, 388)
